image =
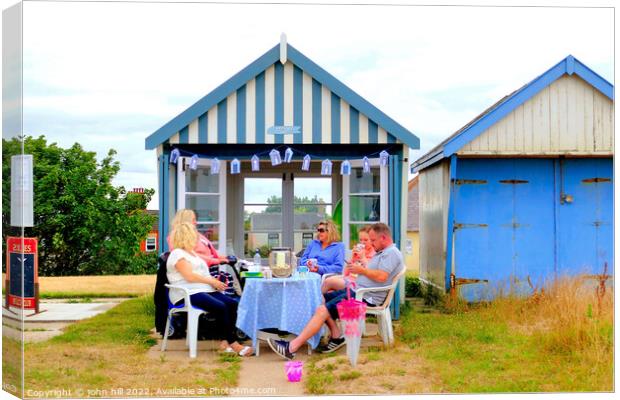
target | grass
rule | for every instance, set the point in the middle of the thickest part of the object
(56, 287)
(111, 350)
(87, 295)
(550, 342)
(558, 341)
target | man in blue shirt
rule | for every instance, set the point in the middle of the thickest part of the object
(327, 249)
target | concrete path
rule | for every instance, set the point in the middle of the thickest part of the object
(267, 370)
(266, 374)
(52, 318)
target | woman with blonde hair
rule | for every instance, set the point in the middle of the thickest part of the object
(327, 249)
(184, 266)
(204, 248)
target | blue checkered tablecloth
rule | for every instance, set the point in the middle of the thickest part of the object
(283, 303)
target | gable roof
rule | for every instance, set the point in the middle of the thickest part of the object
(179, 124)
(569, 66)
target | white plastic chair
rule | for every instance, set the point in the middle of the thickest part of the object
(193, 313)
(382, 312)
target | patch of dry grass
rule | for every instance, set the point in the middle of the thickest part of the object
(570, 316)
(559, 340)
(395, 370)
(107, 366)
(11, 365)
(111, 351)
(100, 285)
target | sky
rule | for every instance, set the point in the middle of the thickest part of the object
(107, 75)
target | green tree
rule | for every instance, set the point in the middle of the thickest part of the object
(84, 224)
(302, 204)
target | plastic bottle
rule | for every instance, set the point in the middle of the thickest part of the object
(257, 260)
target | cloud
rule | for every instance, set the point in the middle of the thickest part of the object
(107, 75)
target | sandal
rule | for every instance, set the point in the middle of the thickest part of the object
(227, 350)
(246, 351)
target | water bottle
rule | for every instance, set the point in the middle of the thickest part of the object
(257, 261)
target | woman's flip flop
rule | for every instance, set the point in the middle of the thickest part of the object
(246, 351)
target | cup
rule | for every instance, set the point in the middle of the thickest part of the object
(303, 270)
(313, 262)
(294, 370)
(267, 273)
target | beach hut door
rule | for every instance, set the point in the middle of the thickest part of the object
(205, 193)
(364, 198)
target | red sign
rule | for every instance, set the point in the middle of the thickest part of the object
(22, 273)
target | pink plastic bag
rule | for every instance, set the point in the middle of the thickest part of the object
(294, 370)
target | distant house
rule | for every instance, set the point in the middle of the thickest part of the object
(412, 244)
(149, 245)
(266, 229)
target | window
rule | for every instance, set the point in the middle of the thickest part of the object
(364, 199)
(204, 193)
(273, 239)
(306, 239)
(151, 244)
(262, 214)
(312, 203)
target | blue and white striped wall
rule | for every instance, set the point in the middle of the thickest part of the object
(282, 95)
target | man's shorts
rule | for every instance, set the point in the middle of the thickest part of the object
(335, 297)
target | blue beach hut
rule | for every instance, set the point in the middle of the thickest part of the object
(524, 192)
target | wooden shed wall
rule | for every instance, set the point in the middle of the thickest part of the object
(567, 117)
(434, 184)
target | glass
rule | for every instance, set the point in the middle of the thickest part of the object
(200, 181)
(313, 188)
(312, 204)
(365, 183)
(365, 208)
(211, 232)
(262, 227)
(206, 207)
(262, 191)
(353, 234)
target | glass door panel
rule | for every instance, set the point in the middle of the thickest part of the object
(262, 215)
(312, 203)
(364, 199)
(204, 193)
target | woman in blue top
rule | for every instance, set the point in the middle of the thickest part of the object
(327, 249)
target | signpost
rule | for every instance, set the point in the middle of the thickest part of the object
(22, 251)
(22, 264)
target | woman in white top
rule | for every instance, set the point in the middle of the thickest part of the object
(184, 266)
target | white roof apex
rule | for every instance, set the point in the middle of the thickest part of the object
(283, 48)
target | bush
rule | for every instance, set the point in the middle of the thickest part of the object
(431, 295)
(143, 263)
(413, 287)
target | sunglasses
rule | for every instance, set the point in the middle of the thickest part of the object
(321, 230)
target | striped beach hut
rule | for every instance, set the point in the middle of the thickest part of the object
(281, 101)
(523, 193)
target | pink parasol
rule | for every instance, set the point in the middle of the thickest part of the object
(352, 315)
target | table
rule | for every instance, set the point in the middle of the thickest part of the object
(283, 303)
